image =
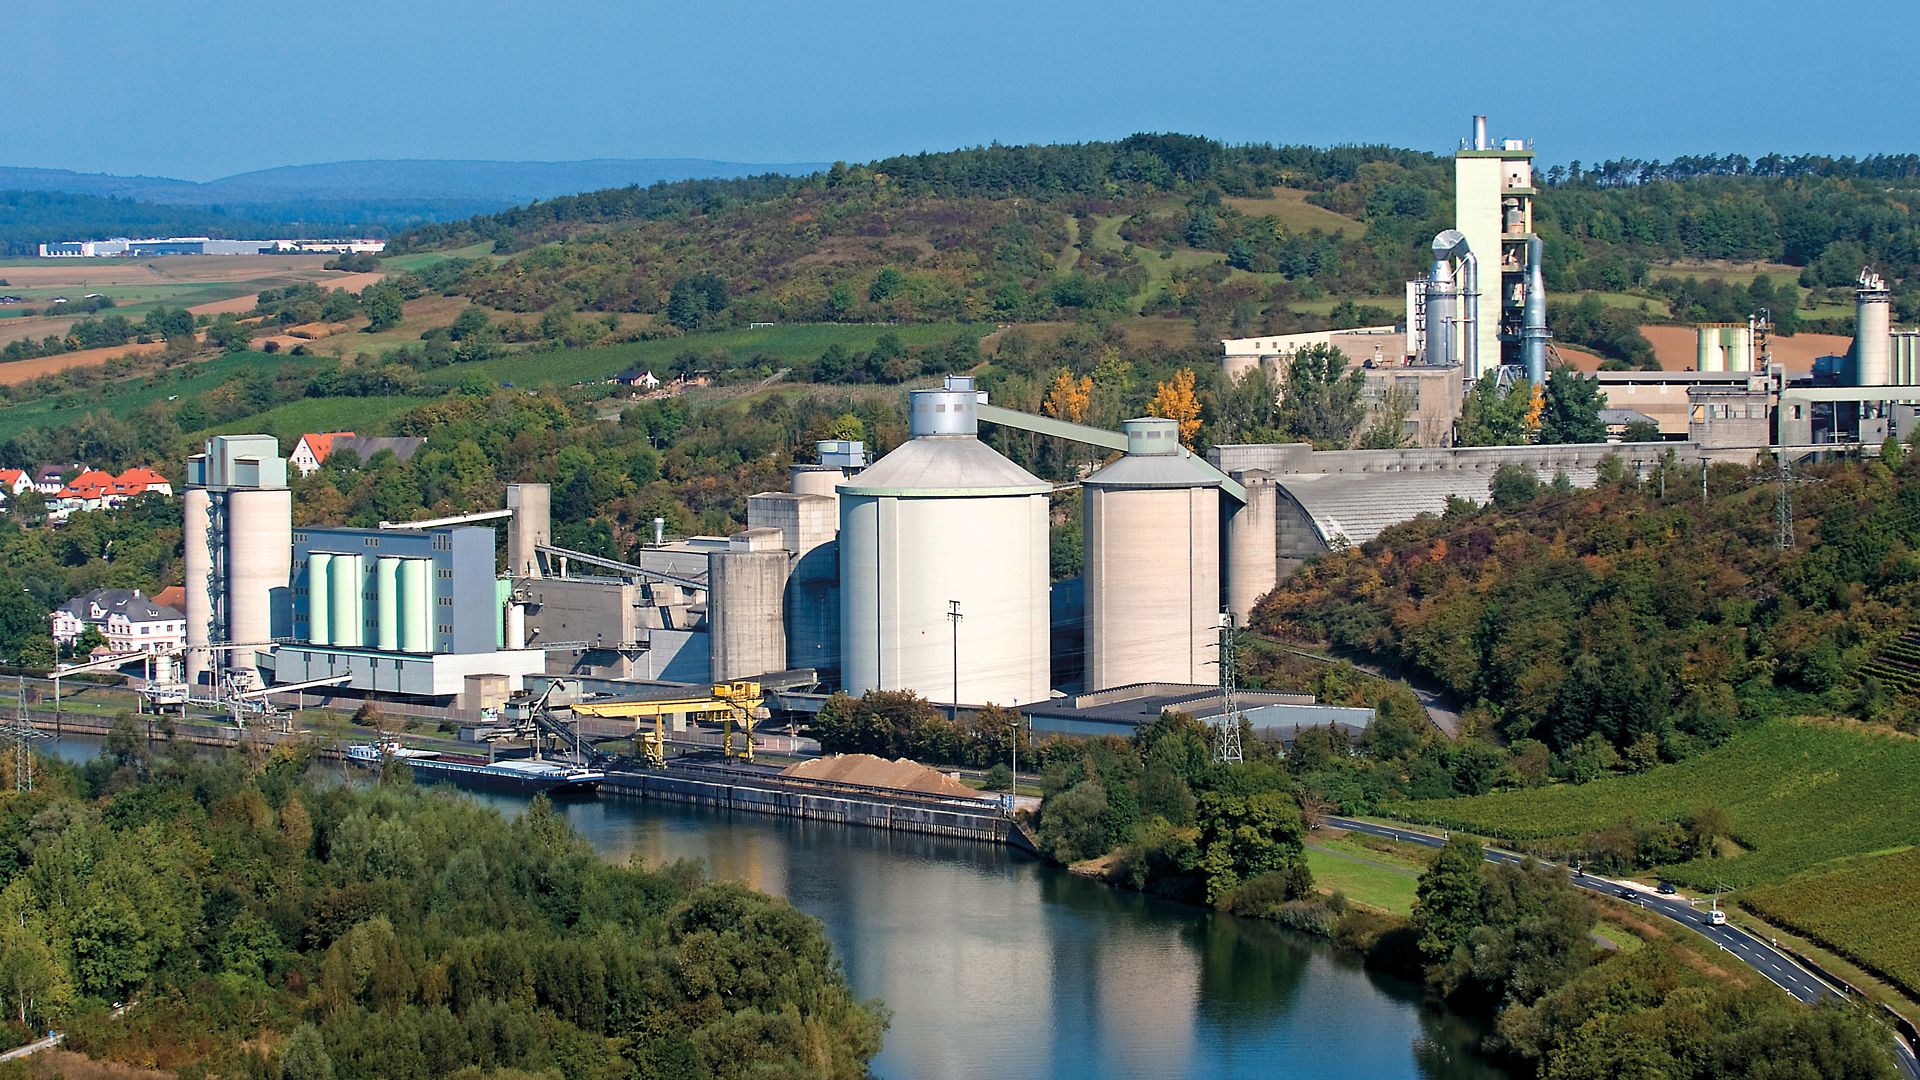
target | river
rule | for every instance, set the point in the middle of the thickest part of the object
(993, 964)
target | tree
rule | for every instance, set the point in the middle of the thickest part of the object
(1641, 431)
(1572, 410)
(1070, 397)
(228, 333)
(23, 621)
(305, 1056)
(1175, 400)
(1492, 416)
(1514, 484)
(385, 307)
(1243, 836)
(1321, 397)
(1449, 899)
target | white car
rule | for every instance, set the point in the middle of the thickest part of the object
(1716, 917)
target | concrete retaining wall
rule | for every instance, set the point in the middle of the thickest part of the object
(810, 806)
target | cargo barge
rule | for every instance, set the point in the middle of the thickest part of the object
(520, 774)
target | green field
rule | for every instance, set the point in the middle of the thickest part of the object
(122, 397)
(800, 341)
(428, 258)
(1863, 909)
(1381, 880)
(1292, 209)
(1800, 796)
(364, 415)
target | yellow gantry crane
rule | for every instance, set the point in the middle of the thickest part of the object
(734, 704)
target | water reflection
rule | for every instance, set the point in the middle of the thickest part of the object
(994, 965)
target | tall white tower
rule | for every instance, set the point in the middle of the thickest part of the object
(239, 553)
(1493, 208)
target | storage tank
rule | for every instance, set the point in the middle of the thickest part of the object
(1739, 342)
(1873, 331)
(945, 518)
(532, 527)
(1710, 357)
(259, 567)
(1153, 563)
(416, 605)
(346, 578)
(386, 590)
(319, 608)
(197, 507)
(1253, 541)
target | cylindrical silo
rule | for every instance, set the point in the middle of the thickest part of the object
(1153, 563)
(197, 522)
(516, 626)
(1253, 563)
(1873, 331)
(1739, 342)
(259, 568)
(346, 579)
(319, 606)
(1707, 339)
(941, 527)
(416, 605)
(386, 588)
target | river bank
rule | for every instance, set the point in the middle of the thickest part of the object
(993, 963)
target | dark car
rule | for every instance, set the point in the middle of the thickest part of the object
(1666, 888)
(1623, 893)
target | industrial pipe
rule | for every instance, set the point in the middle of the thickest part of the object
(1533, 331)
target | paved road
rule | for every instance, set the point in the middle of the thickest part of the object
(47, 1043)
(1776, 966)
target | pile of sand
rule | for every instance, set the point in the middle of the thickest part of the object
(870, 771)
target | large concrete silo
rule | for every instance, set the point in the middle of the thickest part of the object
(1153, 563)
(202, 590)
(1873, 331)
(945, 525)
(259, 554)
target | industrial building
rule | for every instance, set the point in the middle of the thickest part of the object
(238, 530)
(411, 614)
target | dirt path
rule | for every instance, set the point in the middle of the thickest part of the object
(21, 371)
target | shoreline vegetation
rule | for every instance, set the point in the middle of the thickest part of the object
(264, 925)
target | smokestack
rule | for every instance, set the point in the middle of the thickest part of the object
(1479, 132)
(1872, 331)
(1533, 330)
(659, 531)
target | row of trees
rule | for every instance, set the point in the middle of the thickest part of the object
(390, 932)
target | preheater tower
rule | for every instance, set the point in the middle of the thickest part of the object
(1153, 563)
(945, 518)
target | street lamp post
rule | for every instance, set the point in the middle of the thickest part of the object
(954, 617)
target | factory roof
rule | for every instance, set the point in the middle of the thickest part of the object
(1155, 471)
(1624, 416)
(1359, 506)
(946, 466)
(1142, 703)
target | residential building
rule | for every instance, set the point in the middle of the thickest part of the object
(15, 481)
(129, 621)
(96, 489)
(313, 450)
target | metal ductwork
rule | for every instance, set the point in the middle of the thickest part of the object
(1533, 330)
(1453, 308)
(1480, 132)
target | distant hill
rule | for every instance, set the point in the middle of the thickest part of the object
(465, 186)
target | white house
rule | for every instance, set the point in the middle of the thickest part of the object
(129, 621)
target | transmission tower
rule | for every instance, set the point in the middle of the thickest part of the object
(21, 732)
(1783, 506)
(1226, 747)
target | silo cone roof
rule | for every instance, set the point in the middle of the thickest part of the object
(944, 466)
(1154, 471)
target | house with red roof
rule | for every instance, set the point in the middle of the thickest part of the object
(96, 489)
(14, 481)
(313, 449)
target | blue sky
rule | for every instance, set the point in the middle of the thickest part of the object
(204, 88)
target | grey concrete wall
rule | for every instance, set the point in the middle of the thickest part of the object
(745, 613)
(839, 809)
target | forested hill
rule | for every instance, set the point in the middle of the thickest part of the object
(1635, 622)
(1232, 237)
